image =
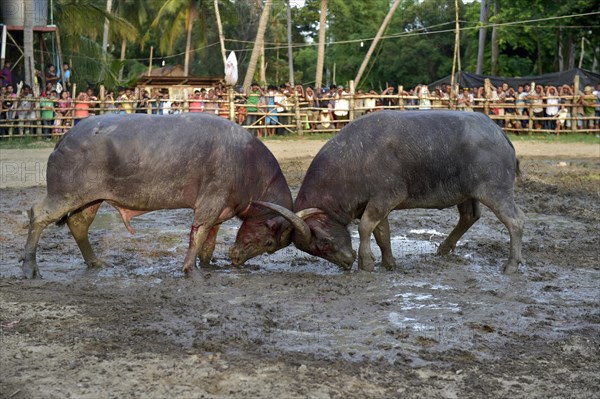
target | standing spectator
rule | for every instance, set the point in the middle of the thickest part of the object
(92, 100)
(66, 77)
(63, 113)
(388, 102)
(271, 119)
(313, 107)
(3, 112)
(143, 105)
(8, 105)
(111, 107)
(341, 108)
(196, 104)
(252, 105)
(25, 110)
(51, 76)
(522, 101)
(82, 108)
(127, 101)
(464, 101)
(423, 93)
(509, 108)
(566, 95)
(552, 109)
(6, 75)
(210, 104)
(537, 101)
(47, 112)
(281, 101)
(588, 100)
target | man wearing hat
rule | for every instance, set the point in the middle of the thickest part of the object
(588, 101)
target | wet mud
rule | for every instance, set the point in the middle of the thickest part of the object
(292, 325)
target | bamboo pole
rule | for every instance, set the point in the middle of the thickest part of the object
(456, 45)
(382, 29)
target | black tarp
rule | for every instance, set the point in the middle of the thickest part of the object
(472, 80)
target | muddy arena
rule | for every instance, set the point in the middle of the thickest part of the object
(290, 325)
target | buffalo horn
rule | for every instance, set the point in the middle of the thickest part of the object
(300, 226)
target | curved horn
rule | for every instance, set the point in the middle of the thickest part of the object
(300, 226)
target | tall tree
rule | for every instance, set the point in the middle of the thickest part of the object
(28, 41)
(321, 51)
(495, 44)
(259, 43)
(382, 29)
(180, 17)
(483, 18)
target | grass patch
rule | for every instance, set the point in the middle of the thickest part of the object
(306, 136)
(563, 138)
(25, 143)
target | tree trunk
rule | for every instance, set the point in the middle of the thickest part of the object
(289, 37)
(482, 31)
(189, 26)
(570, 51)
(106, 26)
(258, 44)
(220, 28)
(456, 57)
(28, 42)
(559, 52)
(321, 51)
(123, 51)
(382, 28)
(495, 50)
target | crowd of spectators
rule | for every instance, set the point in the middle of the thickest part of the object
(280, 109)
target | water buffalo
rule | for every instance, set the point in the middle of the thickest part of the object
(141, 163)
(399, 160)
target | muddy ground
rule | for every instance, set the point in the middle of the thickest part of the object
(290, 325)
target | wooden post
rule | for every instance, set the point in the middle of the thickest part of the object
(352, 101)
(231, 99)
(102, 99)
(576, 99)
(401, 97)
(488, 95)
(297, 114)
(150, 65)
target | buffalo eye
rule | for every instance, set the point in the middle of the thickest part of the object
(269, 243)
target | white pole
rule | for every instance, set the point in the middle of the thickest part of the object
(3, 50)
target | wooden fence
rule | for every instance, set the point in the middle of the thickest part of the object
(298, 117)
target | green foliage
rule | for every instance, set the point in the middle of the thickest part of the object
(417, 46)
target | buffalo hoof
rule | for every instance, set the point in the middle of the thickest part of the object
(366, 267)
(31, 271)
(98, 264)
(444, 249)
(510, 268)
(388, 265)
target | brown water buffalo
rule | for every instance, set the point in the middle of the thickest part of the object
(142, 163)
(391, 160)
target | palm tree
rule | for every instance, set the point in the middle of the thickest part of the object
(321, 51)
(177, 17)
(28, 41)
(258, 44)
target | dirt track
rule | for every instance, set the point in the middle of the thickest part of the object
(290, 325)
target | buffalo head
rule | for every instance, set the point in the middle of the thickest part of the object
(316, 233)
(257, 237)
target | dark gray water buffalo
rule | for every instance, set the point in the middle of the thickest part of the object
(142, 163)
(399, 160)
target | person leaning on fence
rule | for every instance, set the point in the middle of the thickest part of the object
(464, 101)
(47, 105)
(63, 113)
(566, 95)
(588, 101)
(552, 107)
(254, 95)
(537, 101)
(82, 108)
(25, 110)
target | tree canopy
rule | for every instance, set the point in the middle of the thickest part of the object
(533, 37)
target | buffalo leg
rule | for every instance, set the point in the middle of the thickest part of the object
(382, 237)
(41, 215)
(201, 228)
(368, 222)
(470, 212)
(208, 248)
(79, 224)
(512, 217)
